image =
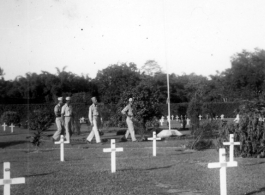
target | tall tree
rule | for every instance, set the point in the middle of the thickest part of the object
(115, 79)
(151, 68)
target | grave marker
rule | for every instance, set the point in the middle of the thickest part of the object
(4, 125)
(7, 181)
(154, 138)
(222, 165)
(172, 117)
(231, 144)
(200, 117)
(12, 126)
(62, 142)
(222, 116)
(177, 117)
(113, 151)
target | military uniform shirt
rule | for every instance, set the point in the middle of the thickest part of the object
(128, 109)
(67, 110)
(57, 110)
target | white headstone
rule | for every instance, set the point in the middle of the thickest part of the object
(4, 125)
(62, 142)
(12, 127)
(113, 151)
(231, 144)
(177, 117)
(154, 138)
(222, 116)
(188, 121)
(7, 181)
(161, 122)
(172, 117)
(222, 164)
(200, 117)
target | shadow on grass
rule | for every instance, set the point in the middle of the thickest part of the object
(256, 191)
(254, 164)
(12, 143)
(42, 174)
(149, 169)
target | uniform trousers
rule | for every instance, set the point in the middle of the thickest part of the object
(94, 131)
(59, 124)
(68, 126)
(130, 129)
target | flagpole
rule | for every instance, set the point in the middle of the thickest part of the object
(168, 95)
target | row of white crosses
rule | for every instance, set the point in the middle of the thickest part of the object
(216, 117)
(12, 127)
(162, 120)
(222, 164)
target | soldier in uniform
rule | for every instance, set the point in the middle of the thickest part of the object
(67, 114)
(58, 119)
(94, 118)
(128, 111)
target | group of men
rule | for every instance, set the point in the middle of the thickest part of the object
(64, 117)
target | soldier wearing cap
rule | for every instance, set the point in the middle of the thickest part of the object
(67, 114)
(128, 111)
(58, 119)
(94, 118)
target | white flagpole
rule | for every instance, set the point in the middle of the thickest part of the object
(168, 94)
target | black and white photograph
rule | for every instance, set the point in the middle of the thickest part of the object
(132, 97)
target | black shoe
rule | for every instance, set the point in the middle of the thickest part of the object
(123, 139)
(88, 142)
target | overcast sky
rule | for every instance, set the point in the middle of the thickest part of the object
(88, 35)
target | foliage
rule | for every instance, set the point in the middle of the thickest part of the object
(213, 109)
(204, 134)
(250, 131)
(145, 105)
(9, 117)
(114, 80)
(194, 110)
(151, 67)
(39, 120)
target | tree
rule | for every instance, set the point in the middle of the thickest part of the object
(145, 105)
(1, 72)
(151, 68)
(115, 79)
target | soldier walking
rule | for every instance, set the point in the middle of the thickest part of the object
(67, 114)
(58, 119)
(128, 111)
(94, 118)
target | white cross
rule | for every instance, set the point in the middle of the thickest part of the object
(113, 151)
(12, 126)
(172, 117)
(62, 142)
(200, 117)
(231, 144)
(188, 121)
(4, 125)
(154, 138)
(222, 116)
(7, 181)
(222, 165)
(177, 117)
(161, 122)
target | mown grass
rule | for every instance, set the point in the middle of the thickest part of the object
(86, 169)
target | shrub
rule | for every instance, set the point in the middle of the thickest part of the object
(250, 131)
(39, 120)
(9, 117)
(204, 134)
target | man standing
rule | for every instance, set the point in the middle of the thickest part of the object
(67, 114)
(128, 112)
(58, 119)
(94, 118)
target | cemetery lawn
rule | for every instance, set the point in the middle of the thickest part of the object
(86, 169)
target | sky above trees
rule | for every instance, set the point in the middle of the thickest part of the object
(87, 36)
